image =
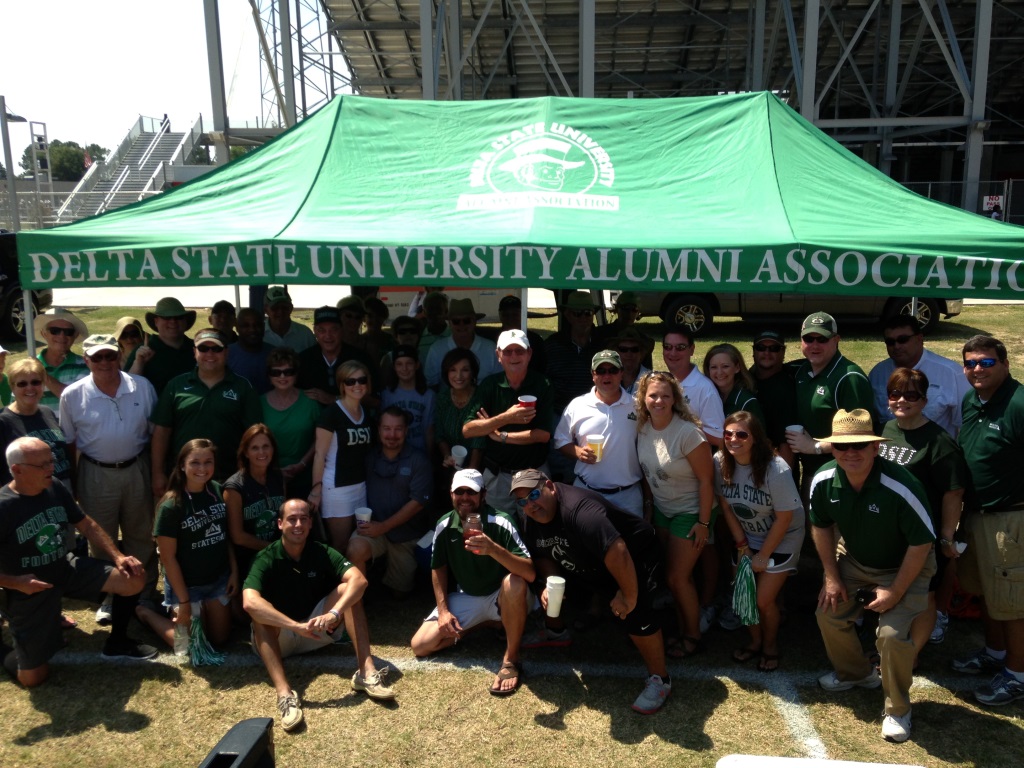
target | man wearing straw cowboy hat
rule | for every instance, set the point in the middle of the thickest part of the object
(462, 317)
(59, 328)
(883, 564)
(169, 353)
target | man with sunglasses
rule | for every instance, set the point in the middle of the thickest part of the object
(904, 343)
(575, 533)
(678, 346)
(607, 410)
(462, 317)
(634, 348)
(492, 567)
(992, 438)
(105, 418)
(211, 401)
(826, 382)
(775, 389)
(885, 564)
(59, 328)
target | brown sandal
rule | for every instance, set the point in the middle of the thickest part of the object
(508, 671)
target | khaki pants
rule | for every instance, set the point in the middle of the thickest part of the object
(895, 649)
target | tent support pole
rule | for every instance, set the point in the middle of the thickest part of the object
(30, 337)
(215, 63)
(427, 50)
(808, 105)
(891, 77)
(587, 46)
(287, 64)
(975, 108)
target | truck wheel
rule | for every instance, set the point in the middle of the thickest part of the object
(12, 315)
(927, 312)
(694, 312)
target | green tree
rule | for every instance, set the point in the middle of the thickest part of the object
(67, 159)
(3, 172)
(97, 153)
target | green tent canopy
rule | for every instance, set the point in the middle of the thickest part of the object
(715, 193)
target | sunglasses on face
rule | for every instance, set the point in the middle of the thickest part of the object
(357, 380)
(676, 347)
(461, 320)
(844, 447)
(910, 397)
(629, 350)
(814, 340)
(737, 434)
(103, 357)
(58, 330)
(892, 341)
(133, 334)
(985, 362)
(607, 371)
(207, 349)
(465, 492)
(530, 497)
(27, 383)
(277, 372)
(581, 312)
(773, 348)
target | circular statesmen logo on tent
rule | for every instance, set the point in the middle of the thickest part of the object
(542, 165)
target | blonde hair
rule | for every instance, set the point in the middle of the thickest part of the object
(679, 406)
(742, 372)
(25, 367)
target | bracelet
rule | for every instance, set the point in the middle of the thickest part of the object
(303, 463)
(706, 525)
(945, 543)
(504, 437)
(335, 614)
(316, 484)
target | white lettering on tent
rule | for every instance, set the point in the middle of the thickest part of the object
(204, 252)
(71, 266)
(259, 253)
(860, 263)
(794, 263)
(52, 264)
(314, 261)
(767, 266)
(232, 265)
(581, 264)
(819, 267)
(994, 283)
(476, 259)
(912, 259)
(399, 265)
(425, 260)
(937, 274)
(628, 255)
(1011, 276)
(876, 269)
(95, 275)
(969, 262)
(150, 265)
(122, 264)
(714, 270)
(545, 261)
(286, 255)
(178, 257)
(734, 264)
(516, 252)
(663, 261)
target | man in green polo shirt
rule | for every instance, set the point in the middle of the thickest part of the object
(885, 563)
(825, 383)
(168, 353)
(297, 593)
(992, 437)
(492, 567)
(211, 402)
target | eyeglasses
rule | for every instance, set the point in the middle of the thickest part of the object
(814, 339)
(60, 330)
(676, 347)
(206, 349)
(465, 492)
(910, 397)
(461, 320)
(844, 447)
(773, 348)
(103, 357)
(356, 380)
(27, 383)
(277, 372)
(629, 350)
(134, 333)
(608, 370)
(985, 362)
(44, 465)
(581, 312)
(892, 341)
(739, 434)
(528, 498)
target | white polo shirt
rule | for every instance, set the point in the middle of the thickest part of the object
(108, 429)
(588, 415)
(705, 402)
(947, 386)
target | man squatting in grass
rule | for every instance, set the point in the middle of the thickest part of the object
(296, 593)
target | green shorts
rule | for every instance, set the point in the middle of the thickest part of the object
(681, 525)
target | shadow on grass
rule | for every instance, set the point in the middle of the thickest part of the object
(966, 734)
(78, 699)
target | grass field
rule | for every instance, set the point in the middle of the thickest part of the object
(573, 709)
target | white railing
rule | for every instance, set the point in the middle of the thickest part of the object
(74, 202)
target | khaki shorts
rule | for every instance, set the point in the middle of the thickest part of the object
(993, 563)
(292, 644)
(400, 573)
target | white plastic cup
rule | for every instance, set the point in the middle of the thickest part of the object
(596, 444)
(796, 428)
(556, 590)
(459, 453)
(527, 401)
(364, 514)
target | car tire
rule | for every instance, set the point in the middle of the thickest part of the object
(12, 315)
(927, 311)
(694, 312)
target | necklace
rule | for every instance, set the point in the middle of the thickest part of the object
(460, 402)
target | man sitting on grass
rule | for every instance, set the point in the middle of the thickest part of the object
(492, 567)
(296, 593)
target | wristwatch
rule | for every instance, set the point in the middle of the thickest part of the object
(817, 447)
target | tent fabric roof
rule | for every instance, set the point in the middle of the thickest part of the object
(696, 193)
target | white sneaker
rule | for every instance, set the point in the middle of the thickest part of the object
(652, 696)
(896, 728)
(104, 614)
(708, 614)
(939, 632)
(831, 682)
(291, 711)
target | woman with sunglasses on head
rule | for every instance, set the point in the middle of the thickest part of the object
(678, 469)
(292, 418)
(727, 369)
(344, 438)
(933, 457)
(761, 505)
(192, 538)
(253, 496)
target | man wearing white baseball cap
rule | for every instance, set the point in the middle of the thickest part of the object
(487, 557)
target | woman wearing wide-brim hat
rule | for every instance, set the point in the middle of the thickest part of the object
(59, 329)
(130, 336)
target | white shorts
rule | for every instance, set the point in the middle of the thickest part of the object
(341, 502)
(471, 610)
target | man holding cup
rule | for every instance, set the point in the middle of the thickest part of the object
(492, 568)
(515, 415)
(577, 534)
(598, 431)
(398, 487)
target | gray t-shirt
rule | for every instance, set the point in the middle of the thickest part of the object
(755, 507)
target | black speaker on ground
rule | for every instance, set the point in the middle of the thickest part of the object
(249, 744)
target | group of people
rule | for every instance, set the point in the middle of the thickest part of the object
(287, 462)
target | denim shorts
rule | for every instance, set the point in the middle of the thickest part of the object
(215, 590)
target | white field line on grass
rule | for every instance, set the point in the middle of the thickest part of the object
(783, 686)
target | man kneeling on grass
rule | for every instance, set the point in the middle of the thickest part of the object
(487, 557)
(296, 593)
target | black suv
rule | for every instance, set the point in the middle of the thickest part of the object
(12, 300)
